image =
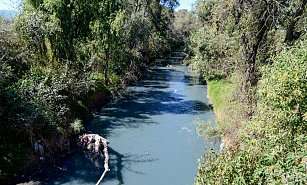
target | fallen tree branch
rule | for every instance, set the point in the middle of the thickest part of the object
(94, 143)
(106, 160)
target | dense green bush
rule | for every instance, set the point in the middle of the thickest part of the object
(262, 44)
(273, 147)
(215, 54)
(283, 90)
(12, 155)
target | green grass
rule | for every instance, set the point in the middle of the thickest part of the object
(217, 90)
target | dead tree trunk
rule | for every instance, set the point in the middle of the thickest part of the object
(106, 161)
(251, 47)
(94, 143)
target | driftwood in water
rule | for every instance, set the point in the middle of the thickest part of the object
(94, 143)
(106, 162)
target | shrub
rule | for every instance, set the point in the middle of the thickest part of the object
(273, 148)
(283, 91)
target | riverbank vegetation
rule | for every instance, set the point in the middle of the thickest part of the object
(59, 58)
(259, 49)
(216, 91)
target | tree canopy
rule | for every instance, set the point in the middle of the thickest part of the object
(58, 57)
(259, 47)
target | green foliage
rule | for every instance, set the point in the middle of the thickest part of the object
(283, 90)
(184, 24)
(265, 131)
(77, 126)
(12, 155)
(99, 81)
(214, 54)
(217, 89)
(273, 147)
(268, 161)
(58, 53)
(228, 111)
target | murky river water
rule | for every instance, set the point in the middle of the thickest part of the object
(152, 133)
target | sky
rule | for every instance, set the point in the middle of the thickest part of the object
(184, 4)
(9, 4)
(12, 4)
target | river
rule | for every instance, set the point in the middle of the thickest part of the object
(152, 133)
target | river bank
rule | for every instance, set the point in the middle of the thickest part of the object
(56, 64)
(252, 146)
(217, 90)
(36, 169)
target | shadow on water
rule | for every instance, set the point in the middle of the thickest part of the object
(147, 98)
(82, 170)
(138, 107)
(119, 161)
(158, 76)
